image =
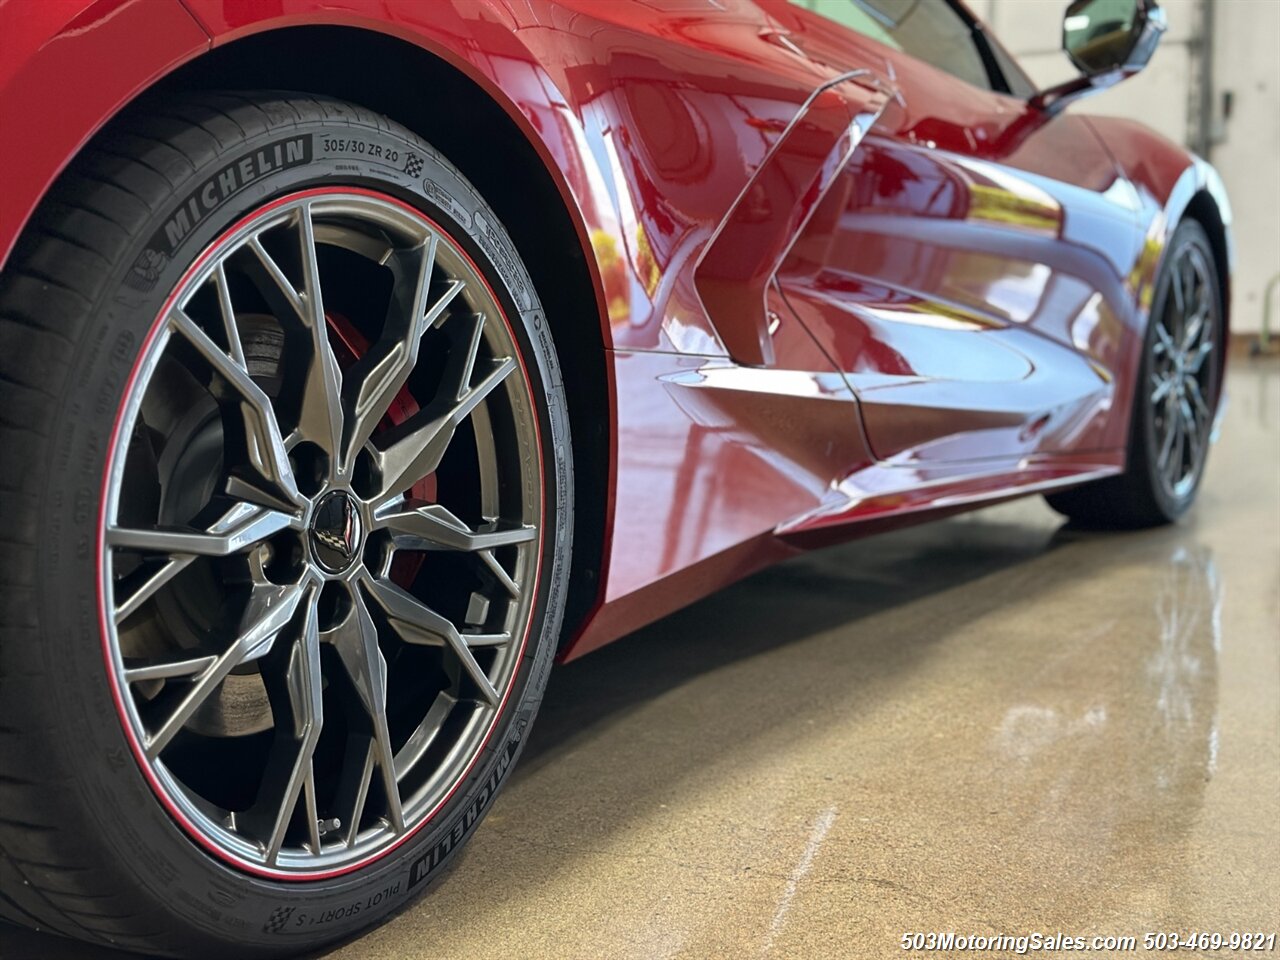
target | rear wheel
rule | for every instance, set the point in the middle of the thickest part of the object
(1176, 398)
(291, 515)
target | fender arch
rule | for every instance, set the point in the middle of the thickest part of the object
(492, 134)
(46, 115)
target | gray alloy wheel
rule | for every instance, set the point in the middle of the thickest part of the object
(294, 614)
(1182, 373)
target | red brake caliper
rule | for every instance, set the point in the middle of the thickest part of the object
(350, 345)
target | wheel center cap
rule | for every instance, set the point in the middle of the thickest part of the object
(336, 533)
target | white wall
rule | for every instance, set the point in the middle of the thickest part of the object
(1166, 94)
(1247, 62)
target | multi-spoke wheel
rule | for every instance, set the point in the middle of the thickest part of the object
(1181, 375)
(297, 618)
(330, 500)
(1176, 401)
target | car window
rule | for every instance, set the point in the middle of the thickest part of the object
(929, 30)
(1015, 77)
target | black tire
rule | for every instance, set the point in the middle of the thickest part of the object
(86, 850)
(1138, 498)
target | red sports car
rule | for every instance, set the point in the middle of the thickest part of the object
(360, 358)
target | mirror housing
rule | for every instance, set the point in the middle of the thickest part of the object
(1107, 41)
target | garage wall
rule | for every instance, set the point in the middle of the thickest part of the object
(1245, 147)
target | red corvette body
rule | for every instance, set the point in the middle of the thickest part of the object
(826, 286)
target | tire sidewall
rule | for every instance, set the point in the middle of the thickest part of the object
(159, 859)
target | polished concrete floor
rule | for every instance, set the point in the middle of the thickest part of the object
(993, 725)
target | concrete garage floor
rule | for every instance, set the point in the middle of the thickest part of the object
(993, 724)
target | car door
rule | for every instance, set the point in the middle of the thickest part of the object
(969, 270)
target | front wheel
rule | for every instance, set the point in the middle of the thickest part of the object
(287, 492)
(1175, 402)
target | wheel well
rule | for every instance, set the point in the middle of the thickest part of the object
(454, 114)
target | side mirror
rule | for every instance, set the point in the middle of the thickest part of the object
(1107, 40)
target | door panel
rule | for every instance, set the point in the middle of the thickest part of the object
(970, 270)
